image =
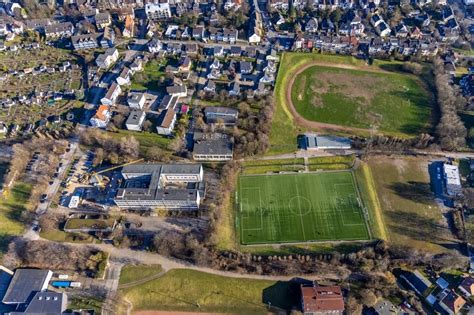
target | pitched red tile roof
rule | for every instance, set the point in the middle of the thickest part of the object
(322, 299)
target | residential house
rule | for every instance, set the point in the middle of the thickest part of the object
(311, 26)
(452, 303)
(216, 114)
(191, 49)
(112, 94)
(155, 45)
(218, 51)
(136, 65)
(230, 36)
(467, 285)
(234, 89)
(108, 38)
(235, 51)
(102, 20)
(210, 87)
(279, 5)
(198, 32)
(129, 27)
(85, 41)
(418, 282)
(212, 147)
(135, 120)
(166, 122)
(168, 101)
(316, 300)
(177, 90)
(124, 77)
(156, 11)
(59, 30)
(136, 100)
(101, 117)
(245, 67)
(185, 64)
(108, 58)
(254, 35)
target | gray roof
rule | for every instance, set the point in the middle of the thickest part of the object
(162, 168)
(221, 111)
(213, 146)
(24, 283)
(135, 117)
(314, 141)
(47, 303)
(150, 188)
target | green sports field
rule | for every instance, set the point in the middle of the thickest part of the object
(300, 208)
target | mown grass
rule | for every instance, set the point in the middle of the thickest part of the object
(369, 196)
(410, 213)
(147, 140)
(395, 102)
(338, 162)
(284, 130)
(151, 77)
(61, 236)
(11, 208)
(252, 167)
(132, 273)
(194, 291)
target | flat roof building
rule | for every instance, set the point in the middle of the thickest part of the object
(212, 147)
(165, 186)
(452, 179)
(311, 141)
(24, 283)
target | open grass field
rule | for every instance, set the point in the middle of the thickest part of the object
(194, 291)
(132, 273)
(395, 102)
(11, 209)
(300, 208)
(411, 215)
(151, 78)
(284, 127)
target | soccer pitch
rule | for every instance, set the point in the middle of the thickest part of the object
(300, 208)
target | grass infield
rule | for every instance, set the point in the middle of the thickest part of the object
(300, 208)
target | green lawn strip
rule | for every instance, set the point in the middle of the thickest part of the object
(410, 212)
(226, 232)
(132, 273)
(194, 291)
(76, 223)
(303, 249)
(338, 162)
(85, 303)
(11, 209)
(61, 236)
(251, 167)
(299, 208)
(151, 77)
(369, 196)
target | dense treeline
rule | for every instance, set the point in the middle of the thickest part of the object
(450, 130)
(110, 149)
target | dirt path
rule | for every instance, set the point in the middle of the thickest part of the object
(303, 122)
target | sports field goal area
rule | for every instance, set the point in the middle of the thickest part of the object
(286, 208)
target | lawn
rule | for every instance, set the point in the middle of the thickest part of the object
(194, 291)
(76, 223)
(131, 273)
(11, 209)
(151, 78)
(147, 140)
(250, 167)
(286, 208)
(394, 102)
(284, 131)
(411, 215)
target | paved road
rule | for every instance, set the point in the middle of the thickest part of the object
(53, 189)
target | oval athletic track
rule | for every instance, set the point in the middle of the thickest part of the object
(303, 122)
